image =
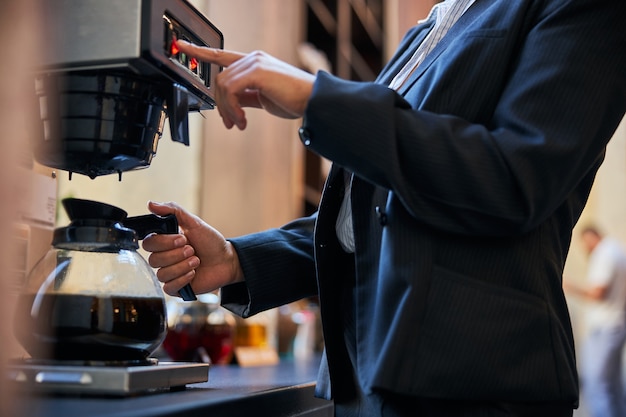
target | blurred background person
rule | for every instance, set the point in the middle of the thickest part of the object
(601, 364)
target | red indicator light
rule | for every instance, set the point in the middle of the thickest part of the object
(174, 48)
(193, 64)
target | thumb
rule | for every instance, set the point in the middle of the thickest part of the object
(185, 219)
(162, 209)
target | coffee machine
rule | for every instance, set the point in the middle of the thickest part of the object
(112, 77)
(109, 77)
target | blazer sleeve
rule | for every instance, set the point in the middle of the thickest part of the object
(278, 266)
(505, 127)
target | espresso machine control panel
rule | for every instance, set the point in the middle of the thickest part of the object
(175, 31)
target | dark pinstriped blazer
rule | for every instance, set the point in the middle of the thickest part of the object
(467, 186)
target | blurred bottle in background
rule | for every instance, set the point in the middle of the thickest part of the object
(300, 331)
(200, 331)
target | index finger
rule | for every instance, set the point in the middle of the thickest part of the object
(216, 56)
(161, 243)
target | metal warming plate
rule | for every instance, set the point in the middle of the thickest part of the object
(107, 380)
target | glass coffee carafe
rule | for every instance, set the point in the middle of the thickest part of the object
(93, 297)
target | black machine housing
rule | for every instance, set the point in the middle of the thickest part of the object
(110, 76)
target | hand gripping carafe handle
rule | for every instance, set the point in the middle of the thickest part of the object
(151, 223)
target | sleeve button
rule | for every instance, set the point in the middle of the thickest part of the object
(305, 135)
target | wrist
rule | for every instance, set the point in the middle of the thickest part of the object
(236, 270)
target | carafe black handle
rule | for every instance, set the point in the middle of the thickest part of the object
(151, 223)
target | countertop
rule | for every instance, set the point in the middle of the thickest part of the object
(285, 389)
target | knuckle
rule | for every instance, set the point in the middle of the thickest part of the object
(257, 58)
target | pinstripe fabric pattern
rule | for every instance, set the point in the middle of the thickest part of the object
(445, 15)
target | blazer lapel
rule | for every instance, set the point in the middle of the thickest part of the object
(464, 21)
(406, 49)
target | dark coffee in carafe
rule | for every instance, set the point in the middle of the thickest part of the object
(91, 328)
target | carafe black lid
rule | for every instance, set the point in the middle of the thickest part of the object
(94, 227)
(78, 209)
